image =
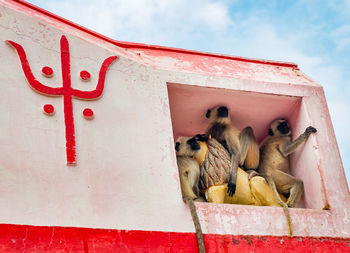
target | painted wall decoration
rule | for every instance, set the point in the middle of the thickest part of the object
(66, 90)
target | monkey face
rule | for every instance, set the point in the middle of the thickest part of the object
(279, 127)
(218, 113)
(187, 146)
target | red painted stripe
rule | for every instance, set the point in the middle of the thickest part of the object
(94, 94)
(35, 84)
(66, 90)
(67, 102)
(132, 45)
(14, 238)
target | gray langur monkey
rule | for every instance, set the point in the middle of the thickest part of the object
(274, 162)
(189, 169)
(241, 145)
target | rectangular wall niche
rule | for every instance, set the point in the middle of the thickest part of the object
(189, 104)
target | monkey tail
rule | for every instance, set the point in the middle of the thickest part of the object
(246, 137)
(196, 223)
(282, 204)
(289, 220)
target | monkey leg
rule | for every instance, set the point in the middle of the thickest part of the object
(249, 149)
(262, 192)
(186, 186)
(295, 193)
(216, 193)
(232, 175)
(286, 183)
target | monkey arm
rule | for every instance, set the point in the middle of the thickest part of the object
(234, 150)
(232, 177)
(286, 150)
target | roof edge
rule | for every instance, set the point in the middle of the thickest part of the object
(133, 45)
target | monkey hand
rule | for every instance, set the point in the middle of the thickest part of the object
(231, 189)
(310, 130)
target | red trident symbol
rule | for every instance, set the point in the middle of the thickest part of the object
(66, 90)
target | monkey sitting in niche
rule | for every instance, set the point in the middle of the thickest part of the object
(215, 164)
(189, 170)
(241, 145)
(274, 163)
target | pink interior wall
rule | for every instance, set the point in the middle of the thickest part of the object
(304, 162)
(188, 106)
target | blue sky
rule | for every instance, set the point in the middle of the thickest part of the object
(313, 34)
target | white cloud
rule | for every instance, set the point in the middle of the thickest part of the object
(215, 15)
(148, 21)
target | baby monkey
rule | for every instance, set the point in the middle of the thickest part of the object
(274, 162)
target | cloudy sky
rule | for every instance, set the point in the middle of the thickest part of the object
(313, 34)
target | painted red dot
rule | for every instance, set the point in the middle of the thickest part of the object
(85, 75)
(47, 71)
(49, 109)
(88, 113)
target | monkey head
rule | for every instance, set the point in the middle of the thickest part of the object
(186, 146)
(280, 127)
(218, 114)
(195, 147)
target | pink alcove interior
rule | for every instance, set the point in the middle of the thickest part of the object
(189, 104)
